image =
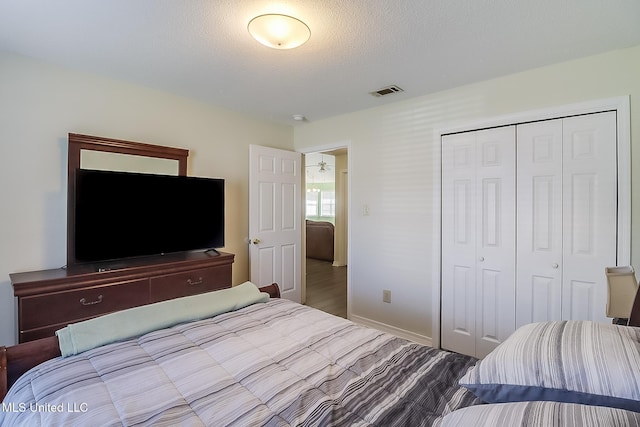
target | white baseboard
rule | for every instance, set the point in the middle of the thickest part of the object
(411, 336)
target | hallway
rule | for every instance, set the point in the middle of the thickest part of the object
(327, 287)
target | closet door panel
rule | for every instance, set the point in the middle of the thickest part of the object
(539, 219)
(495, 253)
(590, 213)
(490, 311)
(458, 326)
(582, 301)
(478, 240)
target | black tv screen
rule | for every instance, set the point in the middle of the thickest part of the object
(122, 215)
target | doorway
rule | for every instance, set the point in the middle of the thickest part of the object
(326, 232)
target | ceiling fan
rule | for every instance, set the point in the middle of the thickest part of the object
(323, 166)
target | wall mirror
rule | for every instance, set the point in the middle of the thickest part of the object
(101, 160)
(93, 152)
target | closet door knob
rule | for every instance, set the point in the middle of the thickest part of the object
(481, 259)
(554, 265)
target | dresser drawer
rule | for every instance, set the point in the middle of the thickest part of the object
(70, 306)
(189, 283)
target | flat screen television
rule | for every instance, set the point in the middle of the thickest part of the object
(122, 215)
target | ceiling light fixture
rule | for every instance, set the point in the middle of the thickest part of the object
(323, 165)
(279, 31)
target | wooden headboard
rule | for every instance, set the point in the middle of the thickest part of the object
(634, 318)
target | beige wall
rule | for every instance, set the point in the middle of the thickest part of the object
(40, 104)
(391, 156)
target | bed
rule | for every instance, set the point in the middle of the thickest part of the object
(270, 362)
(255, 359)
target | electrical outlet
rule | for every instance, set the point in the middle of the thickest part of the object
(386, 296)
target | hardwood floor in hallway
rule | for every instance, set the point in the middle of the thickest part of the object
(327, 287)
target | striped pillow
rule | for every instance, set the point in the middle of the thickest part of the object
(569, 361)
(540, 414)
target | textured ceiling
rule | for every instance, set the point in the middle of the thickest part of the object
(201, 48)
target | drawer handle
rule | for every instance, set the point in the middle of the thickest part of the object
(195, 282)
(83, 301)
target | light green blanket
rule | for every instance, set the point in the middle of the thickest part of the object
(83, 336)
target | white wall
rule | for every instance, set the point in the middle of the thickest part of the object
(392, 153)
(40, 104)
(342, 198)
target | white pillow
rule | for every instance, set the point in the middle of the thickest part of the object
(568, 361)
(540, 414)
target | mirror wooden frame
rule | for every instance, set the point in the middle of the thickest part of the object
(79, 142)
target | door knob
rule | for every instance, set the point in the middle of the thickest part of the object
(481, 259)
(255, 241)
(554, 265)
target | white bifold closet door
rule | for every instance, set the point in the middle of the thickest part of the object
(478, 239)
(566, 217)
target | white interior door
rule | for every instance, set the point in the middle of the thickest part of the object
(458, 325)
(567, 217)
(496, 237)
(539, 254)
(275, 219)
(478, 240)
(589, 212)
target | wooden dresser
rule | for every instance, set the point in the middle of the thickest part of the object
(51, 299)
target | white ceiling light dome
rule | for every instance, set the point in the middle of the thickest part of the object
(279, 31)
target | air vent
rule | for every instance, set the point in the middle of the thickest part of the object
(387, 91)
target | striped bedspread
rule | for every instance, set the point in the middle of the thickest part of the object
(274, 364)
